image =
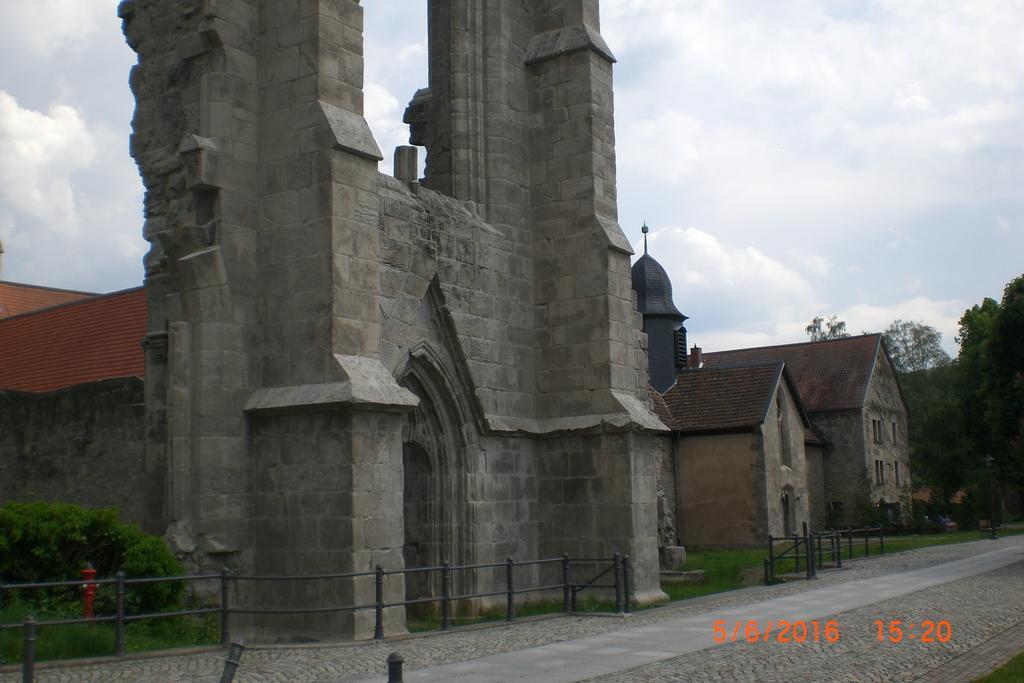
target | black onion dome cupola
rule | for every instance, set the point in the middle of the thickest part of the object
(663, 322)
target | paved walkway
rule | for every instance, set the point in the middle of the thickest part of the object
(630, 648)
(978, 587)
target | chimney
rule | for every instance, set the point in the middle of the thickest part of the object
(696, 358)
(1, 260)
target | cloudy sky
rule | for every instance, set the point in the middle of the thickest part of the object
(793, 157)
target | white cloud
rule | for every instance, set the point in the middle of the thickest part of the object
(384, 115)
(39, 153)
(46, 27)
(728, 288)
(943, 315)
(800, 115)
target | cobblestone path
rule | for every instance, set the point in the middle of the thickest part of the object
(979, 609)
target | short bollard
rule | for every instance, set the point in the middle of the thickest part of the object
(231, 664)
(28, 656)
(395, 662)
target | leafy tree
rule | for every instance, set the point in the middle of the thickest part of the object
(972, 407)
(914, 346)
(1002, 365)
(821, 329)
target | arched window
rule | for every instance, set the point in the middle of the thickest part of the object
(780, 421)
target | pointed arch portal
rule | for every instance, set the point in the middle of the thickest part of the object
(434, 451)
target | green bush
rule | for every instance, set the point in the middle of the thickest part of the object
(54, 542)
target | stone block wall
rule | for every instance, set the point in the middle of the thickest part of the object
(82, 445)
(846, 473)
(885, 403)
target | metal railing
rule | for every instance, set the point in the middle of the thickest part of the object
(570, 588)
(818, 549)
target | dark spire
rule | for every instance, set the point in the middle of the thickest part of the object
(652, 285)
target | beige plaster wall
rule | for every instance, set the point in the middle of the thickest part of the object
(720, 491)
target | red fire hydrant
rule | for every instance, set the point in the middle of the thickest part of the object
(88, 592)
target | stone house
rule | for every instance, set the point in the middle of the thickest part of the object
(729, 479)
(743, 461)
(855, 403)
(742, 468)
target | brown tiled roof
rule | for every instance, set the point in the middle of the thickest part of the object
(721, 399)
(17, 298)
(830, 375)
(85, 341)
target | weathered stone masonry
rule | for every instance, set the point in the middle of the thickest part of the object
(346, 369)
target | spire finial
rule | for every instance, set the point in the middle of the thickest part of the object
(645, 230)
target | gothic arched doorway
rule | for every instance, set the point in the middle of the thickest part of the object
(434, 501)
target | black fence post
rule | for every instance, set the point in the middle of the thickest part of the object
(809, 549)
(771, 558)
(881, 540)
(446, 596)
(119, 615)
(767, 581)
(225, 630)
(395, 662)
(566, 605)
(378, 603)
(821, 556)
(796, 553)
(849, 542)
(510, 588)
(837, 548)
(867, 548)
(28, 650)
(627, 585)
(232, 662)
(617, 573)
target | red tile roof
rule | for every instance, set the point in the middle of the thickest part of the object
(85, 341)
(17, 298)
(830, 375)
(721, 399)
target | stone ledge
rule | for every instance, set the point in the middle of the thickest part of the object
(366, 384)
(616, 238)
(634, 416)
(567, 40)
(351, 132)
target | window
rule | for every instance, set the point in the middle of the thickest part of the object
(879, 472)
(780, 420)
(896, 473)
(876, 431)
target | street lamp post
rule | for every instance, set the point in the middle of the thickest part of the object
(991, 496)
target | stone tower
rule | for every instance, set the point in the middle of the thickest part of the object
(345, 369)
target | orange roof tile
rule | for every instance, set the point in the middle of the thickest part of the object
(17, 298)
(84, 341)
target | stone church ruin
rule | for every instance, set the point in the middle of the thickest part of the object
(345, 368)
